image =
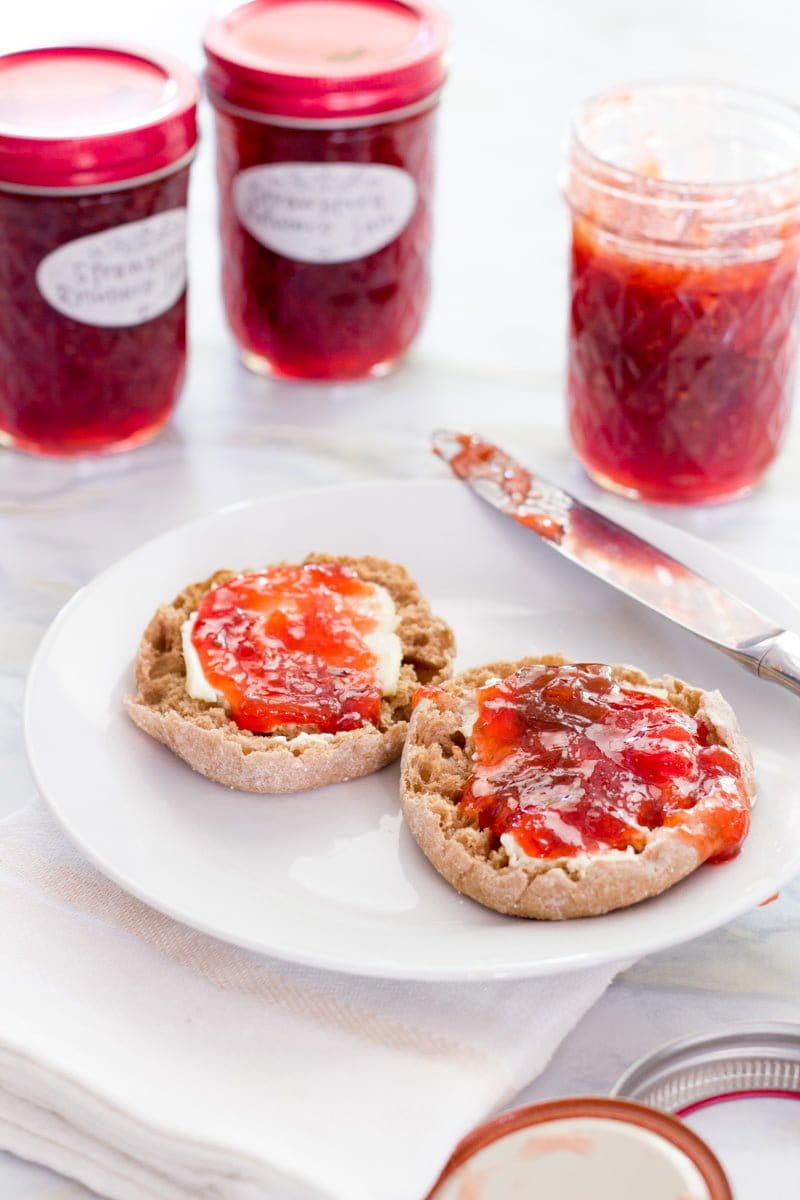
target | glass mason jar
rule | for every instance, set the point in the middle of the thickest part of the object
(325, 138)
(685, 202)
(95, 146)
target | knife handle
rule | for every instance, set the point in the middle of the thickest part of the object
(780, 660)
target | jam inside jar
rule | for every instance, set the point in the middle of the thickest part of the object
(94, 151)
(67, 385)
(325, 117)
(329, 319)
(684, 289)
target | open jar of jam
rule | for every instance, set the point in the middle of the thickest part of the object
(325, 128)
(685, 202)
(95, 146)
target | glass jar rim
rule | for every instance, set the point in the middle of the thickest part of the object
(619, 149)
(689, 191)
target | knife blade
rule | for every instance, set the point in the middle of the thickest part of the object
(622, 559)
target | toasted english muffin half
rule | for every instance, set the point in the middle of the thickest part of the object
(289, 758)
(438, 761)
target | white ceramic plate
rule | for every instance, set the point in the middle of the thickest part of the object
(332, 877)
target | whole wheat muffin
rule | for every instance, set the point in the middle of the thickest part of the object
(438, 761)
(286, 759)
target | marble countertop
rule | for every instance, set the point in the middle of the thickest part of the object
(490, 358)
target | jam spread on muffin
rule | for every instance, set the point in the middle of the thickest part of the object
(311, 646)
(569, 762)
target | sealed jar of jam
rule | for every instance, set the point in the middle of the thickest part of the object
(325, 128)
(95, 146)
(685, 204)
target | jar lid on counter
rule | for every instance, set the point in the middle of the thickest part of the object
(86, 116)
(739, 1089)
(326, 59)
(583, 1146)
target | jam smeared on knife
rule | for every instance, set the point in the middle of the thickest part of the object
(569, 762)
(285, 646)
(531, 504)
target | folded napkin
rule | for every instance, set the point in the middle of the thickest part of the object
(151, 1062)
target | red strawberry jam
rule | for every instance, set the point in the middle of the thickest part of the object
(680, 375)
(95, 145)
(537, 506)
(325, 144)
(326, 320)
(570, 762)
(69, 386)
(286, 646)
(685, 285)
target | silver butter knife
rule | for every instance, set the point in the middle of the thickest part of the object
(627, 562)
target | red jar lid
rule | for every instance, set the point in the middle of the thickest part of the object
(83, 116)
(326, 59)
(582, 1146)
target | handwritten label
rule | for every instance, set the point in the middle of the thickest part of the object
(123, 276)
(324, 212)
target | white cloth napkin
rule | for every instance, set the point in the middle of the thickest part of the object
(153, 1063)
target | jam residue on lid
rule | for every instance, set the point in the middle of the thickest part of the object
(568, 762)
(286, 647)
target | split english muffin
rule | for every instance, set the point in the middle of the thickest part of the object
(291, 677)
(548, 789)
